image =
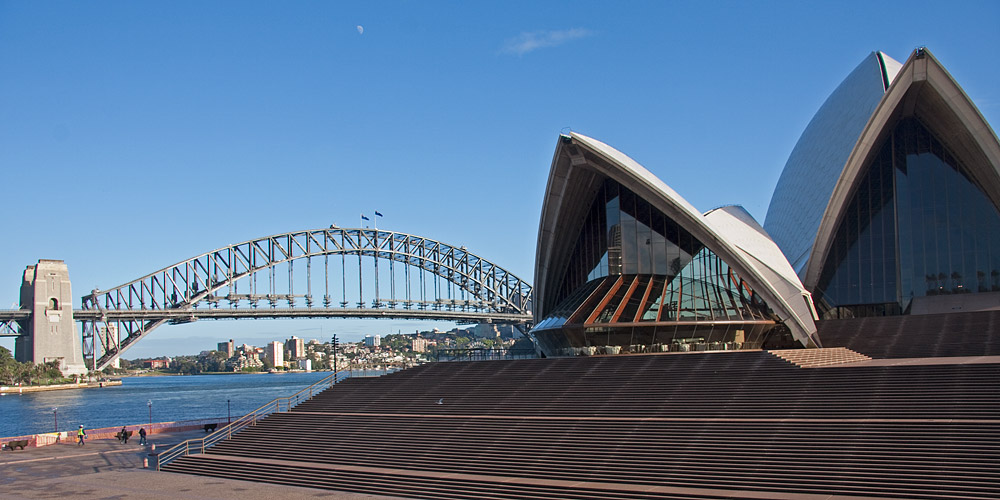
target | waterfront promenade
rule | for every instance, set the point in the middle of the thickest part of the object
(21, 389)
(105, 468)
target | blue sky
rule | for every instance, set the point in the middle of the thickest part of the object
(134, 135)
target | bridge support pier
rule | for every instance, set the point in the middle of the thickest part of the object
(50, 333)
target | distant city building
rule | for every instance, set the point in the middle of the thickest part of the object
(373, 340)
(305, 364)
(508, 332)
(275, 354)
(154, 364)
(107, 334)
(419, 345)
(486, 330)
(243, 361)
(295, 347)
(227, 347)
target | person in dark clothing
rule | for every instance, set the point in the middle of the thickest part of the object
(142, 435)
(123, 436)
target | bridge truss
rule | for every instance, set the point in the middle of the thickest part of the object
(290, 276)
(9, 322)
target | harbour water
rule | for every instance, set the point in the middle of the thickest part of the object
(173, 398)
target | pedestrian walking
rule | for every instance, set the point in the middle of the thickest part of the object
(123, 436)
(80, 436)
(142, 435)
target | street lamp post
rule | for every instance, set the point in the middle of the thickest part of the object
(229, 414)
(55, 416)
(149, 404)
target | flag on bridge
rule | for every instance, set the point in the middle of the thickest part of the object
(364, 218)
(378, 214)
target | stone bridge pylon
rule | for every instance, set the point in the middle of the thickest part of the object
(50, 330)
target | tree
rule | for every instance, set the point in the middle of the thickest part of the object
(12, 372)
(8, 366)
(189, 367)
(212, 361)
(7, 374)
(5, 356)
(25, 372)
(52, 370)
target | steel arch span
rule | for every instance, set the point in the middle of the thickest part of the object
(420, 279)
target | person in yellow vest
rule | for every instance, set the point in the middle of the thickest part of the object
(80, 436)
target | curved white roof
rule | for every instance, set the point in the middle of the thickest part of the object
(811, 172)
(761, 253)
(922, 88)
(572, 184)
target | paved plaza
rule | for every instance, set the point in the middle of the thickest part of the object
(107, 469)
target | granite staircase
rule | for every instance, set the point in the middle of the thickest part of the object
(815, 358)
(684, 426)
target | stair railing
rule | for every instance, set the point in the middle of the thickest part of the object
(194, 446)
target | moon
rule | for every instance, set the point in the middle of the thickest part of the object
(361, 29)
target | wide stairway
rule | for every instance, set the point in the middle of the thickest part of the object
(916, 336)
(815, 358)
(686, 426)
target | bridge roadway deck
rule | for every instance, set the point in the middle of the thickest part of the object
(14, 314)
(276, 312)
(107, 469)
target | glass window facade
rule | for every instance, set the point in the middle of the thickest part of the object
(918, 225)
(637, 281)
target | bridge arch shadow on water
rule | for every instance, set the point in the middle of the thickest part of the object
(323, 273)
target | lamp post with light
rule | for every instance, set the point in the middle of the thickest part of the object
(149, 404)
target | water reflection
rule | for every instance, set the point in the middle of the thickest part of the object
(173, 397)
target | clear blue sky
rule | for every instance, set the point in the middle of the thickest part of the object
(134, 135)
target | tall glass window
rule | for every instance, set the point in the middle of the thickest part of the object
(917, 226)
(634, 270)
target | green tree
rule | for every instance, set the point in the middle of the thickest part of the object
(52, 370)
(8, 367)
(7, 374)
(5, 356)
(212, 361)
(188, 367)
(25, 372)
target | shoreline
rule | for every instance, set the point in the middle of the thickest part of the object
(4, 390)
(168, 374)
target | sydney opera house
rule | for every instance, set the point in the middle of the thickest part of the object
(880, 249)
(887, 206)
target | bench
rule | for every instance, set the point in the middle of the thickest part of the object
(10, 445)
(210, 427)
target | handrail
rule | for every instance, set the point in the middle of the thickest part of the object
(199, 445)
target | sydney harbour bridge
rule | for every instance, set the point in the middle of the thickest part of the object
(322, 273)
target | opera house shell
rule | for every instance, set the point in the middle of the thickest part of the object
(888, 204)
(624, 264)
